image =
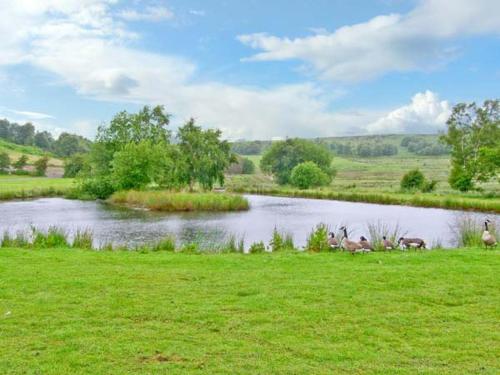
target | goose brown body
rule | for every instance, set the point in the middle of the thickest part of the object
(489, 240)
(351, 246)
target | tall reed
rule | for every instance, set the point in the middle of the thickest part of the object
(378, 230)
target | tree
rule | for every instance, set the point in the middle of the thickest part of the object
(4, 162)
(248, 167)
(308, 174)
(204, 155)
(41, 166)
(69, 144)
(21, 162)
(73, 165)
(44, 140)
(473, 133)
(283, 156)
(25, 134)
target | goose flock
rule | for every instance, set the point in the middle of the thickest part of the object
(364, 246)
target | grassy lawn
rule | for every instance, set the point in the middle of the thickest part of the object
(12, 187)
(72, 312)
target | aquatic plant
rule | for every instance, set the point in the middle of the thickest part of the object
(83, 239)
(467, 231)
(257, 247)
(165, 244)
(317, 241)
(380, 229)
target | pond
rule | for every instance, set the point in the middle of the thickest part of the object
(296, 216)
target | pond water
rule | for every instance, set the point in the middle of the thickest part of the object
(292, 215)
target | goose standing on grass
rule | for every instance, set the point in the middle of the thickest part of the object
(332, 241)
(416, 243)
(351, 246)
(365, 244)
(487, 237)
(388, 245)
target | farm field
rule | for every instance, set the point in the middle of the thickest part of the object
(75, 311)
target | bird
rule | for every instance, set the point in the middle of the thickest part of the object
(332, 241)
(351, 246)
(487, 237)
(416, 243)
(365, 244)
(388, 245)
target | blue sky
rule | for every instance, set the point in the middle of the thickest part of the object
(256, 69)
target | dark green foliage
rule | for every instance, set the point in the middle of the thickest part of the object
(429, 186)
(376, 149)
(69, 144)
(248, 166)
(413, 180)
(99, 187)
(73, 165)
(4, 162)
(474, 137)
(283, 156)
(308, 174)
(44, 140)
(21, 162)
(257, 247)
(204, 155)
(249, 147)
(41, 166)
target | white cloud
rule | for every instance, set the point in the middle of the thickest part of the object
(32, 115)
(150, 13)
(395, 42)
(425, 114)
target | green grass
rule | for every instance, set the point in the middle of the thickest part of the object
(179, 201)
(15, 151)
(20, 187)
(81, 312)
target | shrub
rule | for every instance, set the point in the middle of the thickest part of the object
(308, 174)
(73, 165)
(21, 172)
(317, 240)
(413, 180)
(277, 242)
(4, 162)
(97, 187)
(257, 247)
(248, 167)
(21, 162)
(429, 186)
(41, 166)
(460, 180)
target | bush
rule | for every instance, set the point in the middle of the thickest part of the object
(4, 162)
(257, 247)
(21, 162)
(308, 174)
(97, 187)
(429, 186)
(413, 180)
(73, 165)
(460, 180)
(21, 172)
(317, 241)
(248, 166)
(41, 166)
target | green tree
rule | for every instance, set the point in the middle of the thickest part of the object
(41, 166)
(74, 164)
(25, 134)
(4, 162)
(44, 140)
(21, 162)
(473, 134)
(69, 144)
(283, 156)
(204, 155)
(308, 174)
(248, 167)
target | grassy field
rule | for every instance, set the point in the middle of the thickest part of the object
(179, 201)
(84, 312)
(15, 187)
(15, 151)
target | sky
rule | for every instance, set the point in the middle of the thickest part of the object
(255, 69)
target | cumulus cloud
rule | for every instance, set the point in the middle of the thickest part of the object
(417, 40)
(150, 13)
(425, 114)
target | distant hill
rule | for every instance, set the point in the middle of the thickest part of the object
(363, 146)
(15, 151)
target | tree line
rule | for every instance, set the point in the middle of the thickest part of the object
(65, 145)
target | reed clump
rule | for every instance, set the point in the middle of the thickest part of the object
(317, 241)
(379, 230)
(169, 201)
(468, 231)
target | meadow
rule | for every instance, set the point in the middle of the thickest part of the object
(21, 187)
(78, 311)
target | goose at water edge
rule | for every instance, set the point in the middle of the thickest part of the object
(332, 241)
(487, 237)
(365, 244)
(416, 243)
(388, 245)
(351, 246)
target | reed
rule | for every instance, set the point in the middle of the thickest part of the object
(165, 244)
(379, 229)
(468, 231)
(178, 201)
(83, 239)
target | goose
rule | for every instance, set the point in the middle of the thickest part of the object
(416, 243)
(365, 244)
(351, 246)
(388, 245)
(332, 241)
(487, 237)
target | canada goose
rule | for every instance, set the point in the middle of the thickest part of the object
(416, 243)
(388, 245)
(332, 241)
(351, 246)
(487, 237)
(365, 244)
